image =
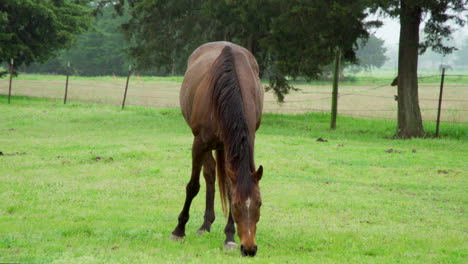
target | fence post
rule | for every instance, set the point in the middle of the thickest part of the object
(11, 77)
(126, 86)
(440, 101)
(66, 84)
(334, 107)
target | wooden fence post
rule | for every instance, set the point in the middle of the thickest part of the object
(440, 101)
(66, 84)
(126, 86)
(334, 103)
(11, 77)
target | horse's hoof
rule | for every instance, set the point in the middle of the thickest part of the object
(230, 246)
(200, 232)
(176, 238)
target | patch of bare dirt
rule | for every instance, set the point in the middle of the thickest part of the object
(99, 158)
(12, 154)
(390, 150)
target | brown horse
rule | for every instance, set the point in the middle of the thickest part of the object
(222, 100)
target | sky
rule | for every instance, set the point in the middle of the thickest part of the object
(390, 31)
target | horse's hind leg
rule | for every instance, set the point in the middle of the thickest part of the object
(209, 172)
(193, 186)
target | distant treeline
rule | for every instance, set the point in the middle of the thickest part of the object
(100, 51)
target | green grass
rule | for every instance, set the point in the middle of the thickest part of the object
(343, 201)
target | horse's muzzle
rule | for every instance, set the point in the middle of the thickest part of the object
(248, 252)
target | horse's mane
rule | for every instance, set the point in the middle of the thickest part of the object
(229, 111)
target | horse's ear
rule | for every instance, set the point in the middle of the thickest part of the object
(258, 174)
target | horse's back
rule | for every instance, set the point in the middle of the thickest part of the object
(196, 93)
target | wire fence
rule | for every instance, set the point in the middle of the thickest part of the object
(363, 101)
(380, 101)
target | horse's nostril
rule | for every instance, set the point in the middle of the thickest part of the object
(250, 253)
(254, 251)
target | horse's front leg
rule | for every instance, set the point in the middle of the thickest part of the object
(193, 186)
(230, 230)
(209, 172)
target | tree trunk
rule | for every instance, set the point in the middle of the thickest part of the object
(409, 114)
(252, 44)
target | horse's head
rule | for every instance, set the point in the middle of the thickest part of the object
(246, 212)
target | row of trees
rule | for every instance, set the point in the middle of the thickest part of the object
(99, 51)
(102, 51)
(32, 31)
(289, 38)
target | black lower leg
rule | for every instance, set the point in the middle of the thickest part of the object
(192, 190)
(230, 229)
(209, 217)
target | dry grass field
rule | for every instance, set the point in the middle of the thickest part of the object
(361, 100)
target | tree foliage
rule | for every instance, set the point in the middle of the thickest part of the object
(99, 51)
(288, 38)
(163, 33)
(33, 30)
(438, 15)
(370, 54)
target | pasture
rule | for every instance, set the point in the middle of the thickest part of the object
(365, 95)
(86, 183)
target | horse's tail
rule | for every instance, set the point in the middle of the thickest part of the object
(221, 172)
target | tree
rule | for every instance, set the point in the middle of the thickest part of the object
(162, 34)
(288, 38)
(305, 36)
(436, 30)
(33, 30)
(370, 54)
(99, 51)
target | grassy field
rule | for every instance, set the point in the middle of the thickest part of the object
(86, 183)
(363, 95)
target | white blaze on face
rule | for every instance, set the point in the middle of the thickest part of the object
(247, 204)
